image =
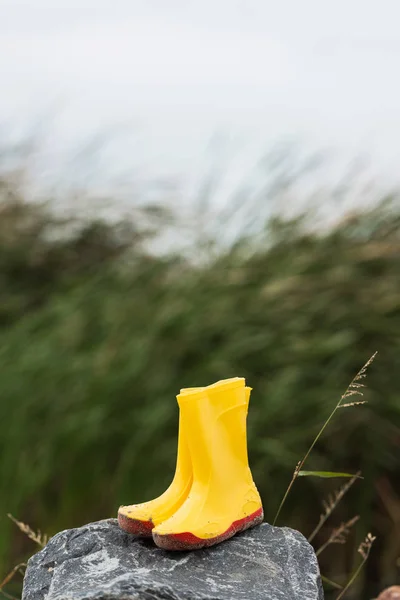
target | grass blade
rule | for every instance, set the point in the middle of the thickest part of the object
(327, 474)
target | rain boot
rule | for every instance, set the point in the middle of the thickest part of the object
(139, 519)
(223, 498)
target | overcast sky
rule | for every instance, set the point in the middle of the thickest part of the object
(169, 73)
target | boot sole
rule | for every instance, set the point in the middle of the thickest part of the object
(135, 526)
(188, 541)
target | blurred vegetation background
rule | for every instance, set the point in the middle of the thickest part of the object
(98, 332)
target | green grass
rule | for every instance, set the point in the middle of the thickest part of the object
(97, 336)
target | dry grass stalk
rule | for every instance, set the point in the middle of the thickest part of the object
(352, 390)
(365, 546)
(38, 537)
(8, 596)
(353, 404)
(11, 574)
(331, 583)
(331, 503)
(18, 568)
(339, 535)
(355, 385)
(364, 549)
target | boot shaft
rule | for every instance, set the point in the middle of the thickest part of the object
(214, 422)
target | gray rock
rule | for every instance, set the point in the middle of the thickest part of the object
(101, 562)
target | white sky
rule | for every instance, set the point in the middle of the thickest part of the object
(166, 74)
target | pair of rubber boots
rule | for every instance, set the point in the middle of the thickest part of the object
(212, 495)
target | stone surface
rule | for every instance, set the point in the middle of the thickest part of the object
(392, 593)
(101, 562)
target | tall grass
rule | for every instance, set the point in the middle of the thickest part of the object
(98, 334)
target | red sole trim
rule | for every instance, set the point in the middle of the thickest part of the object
(188, 541)
(135, 526)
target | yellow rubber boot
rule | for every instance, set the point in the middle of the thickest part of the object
(223, 498)
(139, 519)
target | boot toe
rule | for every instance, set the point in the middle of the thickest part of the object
(187, 540)
(134, 523)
